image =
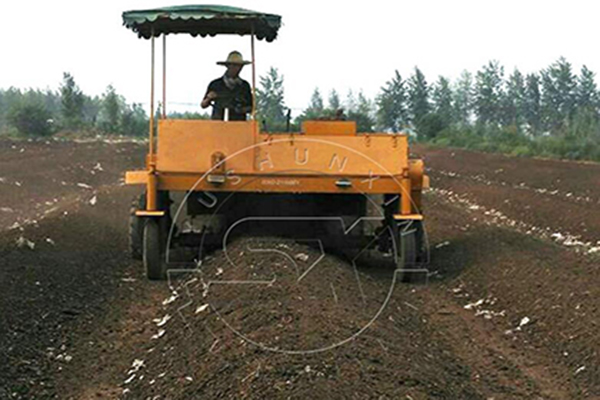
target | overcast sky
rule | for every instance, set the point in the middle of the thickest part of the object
(326, 44)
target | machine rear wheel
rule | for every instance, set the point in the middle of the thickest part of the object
(407, 251)
(152, 250)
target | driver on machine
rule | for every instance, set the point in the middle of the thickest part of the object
(229, 95)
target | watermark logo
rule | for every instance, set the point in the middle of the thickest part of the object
(300, 257)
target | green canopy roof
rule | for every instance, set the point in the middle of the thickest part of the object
(202, 20)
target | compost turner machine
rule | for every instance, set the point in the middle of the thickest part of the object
(330, 183)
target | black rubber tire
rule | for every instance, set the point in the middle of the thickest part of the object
(152, 250)
(407, 243)
(136, 226)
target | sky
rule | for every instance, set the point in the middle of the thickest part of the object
(338, 45)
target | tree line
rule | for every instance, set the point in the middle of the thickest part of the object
(553, 112)
(37, 113)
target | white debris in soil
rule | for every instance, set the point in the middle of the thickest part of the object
(481, 312)
(84, 185)
(93, 200)
(6, 209)
(219, 271)
(161, 321)
(443, 244)
(50, 241)
(50, 210)
(98, 167)
(136, 366)
(301, 257)
(201, 308)
(189, 378)
(64, 357)
(475, 304)
(522, 186)
(524, 321)
(497, 218)
(580, 369)
(128, 380)
(488, 314)
(170, 299)
(160, 334)
(22, 242)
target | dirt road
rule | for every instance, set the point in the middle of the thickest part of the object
(510, 309)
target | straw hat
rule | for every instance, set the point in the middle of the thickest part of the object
(235, 57)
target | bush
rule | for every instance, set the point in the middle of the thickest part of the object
(30, 119)
(522, 151)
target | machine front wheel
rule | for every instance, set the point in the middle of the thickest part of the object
(136, 224)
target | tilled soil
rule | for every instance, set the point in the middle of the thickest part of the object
(509, 309)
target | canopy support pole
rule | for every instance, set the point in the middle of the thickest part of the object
(164, 99)
(253, 76)
(151, 133)
(151, 159)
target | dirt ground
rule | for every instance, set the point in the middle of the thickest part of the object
(510, 308)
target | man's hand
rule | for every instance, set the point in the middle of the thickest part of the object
(210, 96)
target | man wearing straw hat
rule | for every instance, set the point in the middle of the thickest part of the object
(229, 95)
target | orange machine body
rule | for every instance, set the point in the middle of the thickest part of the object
(327, 157)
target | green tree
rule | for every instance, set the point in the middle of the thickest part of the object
(587, 91)
(316, 101)
(558, 95)
(532, 103)
(134, 121)
(418, 97)
(3, 107)
(334, 101)
(30, 118)
(362, 113)
(111, 111)
(488, 93)
(315, 108)
(431, 125)
(513, 101)
(72, 100)
(91, 109)
(9, 97)
(442, 100)
(391, 105)
(463, 98)
(270, 100)
(585, 125)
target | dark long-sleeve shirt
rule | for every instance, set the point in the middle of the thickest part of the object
(238, 100)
